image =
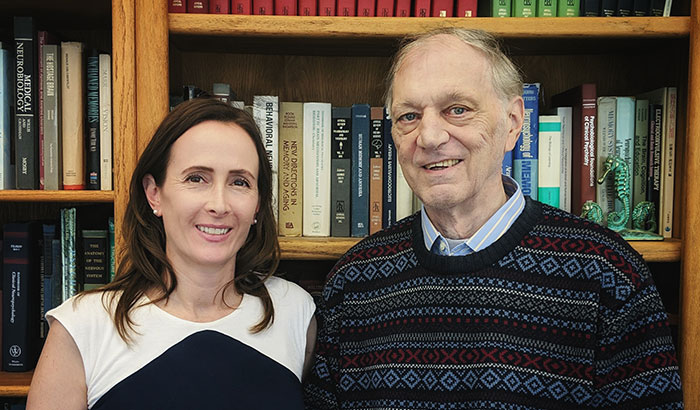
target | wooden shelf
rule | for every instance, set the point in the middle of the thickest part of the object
(397, 27)
(15, 384)
(333, 248)
(56, 196)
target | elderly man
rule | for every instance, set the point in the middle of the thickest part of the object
(485, 299)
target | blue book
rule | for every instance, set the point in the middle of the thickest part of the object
(525, 152)
(359, 216)
(49, 234)
(507, 165)
(389, 194)
(7, 180)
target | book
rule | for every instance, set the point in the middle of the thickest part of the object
(605, 148)
(341, 170)
(177, 6)
(640, 170)
(25, 134)
(590, 8)
(266, 114)
(640, 8)
(105, 122)
(654, 164)
(92, 162)
(72, 115)
(568, 8)
(219, 7)
(624, 143)
(242, 7)
(403, 8)
(388, 174)
(291, 181)
(222, 92)
(421, 8)
(198, 6)
(366, 8)
(404, 195)
(95, 258)
(625, 8)
(549, 160)
(311, 7)
(317, 169)
(582, 99)
(495, 8)
(110, 243)
(442, 8)
(466, 8)
(53, 167)
(44, 38)
(359, 187)
(263, 7)
(346, 8)
(524, 8)
(7, 179)
(525, 151)
(507, 164)
(376, 166)
(20, 321)
(69, 263)
(285, 7)
(546, 8)
(565, 116)
(607, 8)
(385, 8)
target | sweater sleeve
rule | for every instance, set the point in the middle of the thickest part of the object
(635, 364)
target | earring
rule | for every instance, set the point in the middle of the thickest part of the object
(155, 212)
(255, 220)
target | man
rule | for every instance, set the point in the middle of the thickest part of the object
(484, 299)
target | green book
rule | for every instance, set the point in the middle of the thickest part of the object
(568, 8)
(524, 8)
(494, 8)
(547, 8)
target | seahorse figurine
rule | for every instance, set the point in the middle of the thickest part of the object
(643, 216)
(592, 211)
(617, 220)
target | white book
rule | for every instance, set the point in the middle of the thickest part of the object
(549, 160)
(73, 115)
(566, 116)
(404, 195)
(316, 218)
(605, 148)
(7, 180)
(640, 171)
(266, 114)
(624, 142)
(105, 72)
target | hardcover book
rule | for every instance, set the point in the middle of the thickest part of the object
(549, 163)
(242, 7)
(26, 137)
(316, 219)
(568, 8)
(44, 38)
(404, 195)
(376, 166)
(341, 171)
(466, 8)
(359, 197)
(7, 179)
(346, 8)
(365, 8)
(388, 174)
(590, 8)
(607, 8)
(442, 8)
(291, 181)
(525, 151)
(547, 8)
(624, 142)
(403, 8)
(92, 163)
(69, 262)
(495, 8)
(263, 7)
(654, 165)
(198, 6)
(421, 8)
(285, 7)
(266, 114)
(72, 115)
(219, 7)
(566, 116)
(507, 164)
(177, 6)
(311, 7)
(385, 8)
(95, 258)
(105, 122)
(524, 8)
(640, 170)
(605, 148)
(53, 166)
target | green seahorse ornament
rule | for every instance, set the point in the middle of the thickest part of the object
(592, 211)
(617, 220)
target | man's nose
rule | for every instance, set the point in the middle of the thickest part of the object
(432, 131)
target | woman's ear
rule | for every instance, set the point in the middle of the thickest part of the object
(152, 191)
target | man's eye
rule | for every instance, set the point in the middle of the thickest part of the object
(458, 110)
(408, 117)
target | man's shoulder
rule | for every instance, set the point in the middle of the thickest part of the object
(391, 239)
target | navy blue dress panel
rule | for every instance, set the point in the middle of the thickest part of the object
(207, 370)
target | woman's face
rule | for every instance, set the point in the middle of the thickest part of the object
(209, 197)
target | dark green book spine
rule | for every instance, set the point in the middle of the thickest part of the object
(340, 171)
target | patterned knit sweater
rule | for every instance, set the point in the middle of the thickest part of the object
(559, 313)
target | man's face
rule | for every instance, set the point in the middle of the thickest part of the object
(450, 128)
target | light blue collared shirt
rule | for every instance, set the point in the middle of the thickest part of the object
(496, 226)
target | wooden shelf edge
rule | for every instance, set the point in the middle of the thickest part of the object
(397, 27)
(56, 196)
(15, 384)
(668, 250)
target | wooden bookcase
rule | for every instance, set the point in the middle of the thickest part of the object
(344, 60)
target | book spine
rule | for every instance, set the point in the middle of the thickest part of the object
(607, 8)
(42, 39)
(547, 8)
(346, 8)
(26, 136)
(404, 195)
(624, 8)
(68, 252)
(566, 116)
(507, 164)
(92, 165)
(605, 148)
(624, 142)
(177, 6)
(56, 284)
(49, 234)
(654, 167)
(95, 270)
(549, 163)
(669, 162)
(421, 8)
(640, 8)
(359, 199)
(20, 327)
(290, 168)
(568, 8)
(219, 6)
(341, 161)
(389, 175)
(524, 8)
(366, 8)
(311, 7)
(525, 152)
(317, 169)
(590, 8)
(112, 256)
(6, 172)
(285, 7)
(266, 114)
(403, 8)
(72, 112)
(52, 118)
(376, 165)
(466, 8)
(641, 152)
(263, 7)
(198, 6)
(442, 8)
(385, 8)
(242, 7)
(105, 122)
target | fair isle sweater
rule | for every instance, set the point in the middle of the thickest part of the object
(559, 313)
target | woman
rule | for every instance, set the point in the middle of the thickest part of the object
(194, 318)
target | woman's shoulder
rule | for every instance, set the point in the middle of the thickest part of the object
(281, 288)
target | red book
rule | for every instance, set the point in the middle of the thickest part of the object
(198, 6)
(347, 8)
(263, 7)
(241, 6)
(365, 8)
(403, 8)
(219, 6)
(421, 8)
(385, 8)
(466, 8)
(285, 7)
(177, 6)
(442, 8)
(326, 7)
(582, 99)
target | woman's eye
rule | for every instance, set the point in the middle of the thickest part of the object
(241, 182)
(194, 178)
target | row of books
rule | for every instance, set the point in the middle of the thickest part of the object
(559, 158)
(56, 105)
(426, 8)
(45, 263)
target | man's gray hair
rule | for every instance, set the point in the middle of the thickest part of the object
(507, 81)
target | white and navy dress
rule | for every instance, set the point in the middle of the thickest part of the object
(177, 364)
